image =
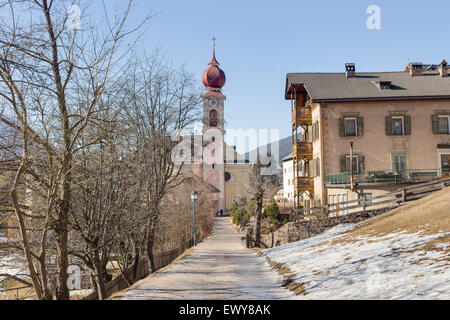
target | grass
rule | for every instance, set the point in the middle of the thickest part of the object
(429, 215)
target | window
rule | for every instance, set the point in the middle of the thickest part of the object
(350, 127)
(398, 126)
(358, 163)
(443, 123)
(355, 164)
(213, 118)
(399, 161)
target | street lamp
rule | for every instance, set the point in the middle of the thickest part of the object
(194, 197)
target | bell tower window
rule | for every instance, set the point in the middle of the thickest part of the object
(213, 118)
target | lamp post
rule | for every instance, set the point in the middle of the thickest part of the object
(194, 197)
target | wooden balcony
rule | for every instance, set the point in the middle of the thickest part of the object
(302, 150)
(304, 184)
(301, 116)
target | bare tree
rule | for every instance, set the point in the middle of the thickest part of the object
(52, 80)
(164, 102)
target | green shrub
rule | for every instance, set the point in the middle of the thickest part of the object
(239, 214)
(272, 211)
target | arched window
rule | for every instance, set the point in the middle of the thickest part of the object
(213, 118)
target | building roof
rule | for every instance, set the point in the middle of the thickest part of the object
(335, 87)
(288, 157)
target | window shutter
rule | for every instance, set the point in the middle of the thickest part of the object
(407, 125)
(317, 165)
(435, 124)
(388, 125)
(311, 168)
(314, 131)
(343, 163)
(361, 164)
(317, 130)
(341, 127)
(360, 126)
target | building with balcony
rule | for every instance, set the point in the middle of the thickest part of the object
(398, 124)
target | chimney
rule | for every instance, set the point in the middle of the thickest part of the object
(349, 70)
(416, 69)
(443, 70)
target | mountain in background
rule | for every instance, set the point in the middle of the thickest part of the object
(284, 145)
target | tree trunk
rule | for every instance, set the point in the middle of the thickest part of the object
(100, 278)
(134, 267)
(62, 292)
(258, 223)
(149, 250)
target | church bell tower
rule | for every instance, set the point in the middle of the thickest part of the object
(214, 79)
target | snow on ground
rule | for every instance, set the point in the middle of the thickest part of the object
(81, 292)
(11, 264)
(395, 266)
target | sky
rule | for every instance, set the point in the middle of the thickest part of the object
(258, 42)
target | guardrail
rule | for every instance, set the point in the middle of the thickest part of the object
(385, 176)
(389, 199)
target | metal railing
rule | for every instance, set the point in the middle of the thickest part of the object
(385, 176)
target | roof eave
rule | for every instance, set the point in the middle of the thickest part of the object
(322, 100)
(289, 85)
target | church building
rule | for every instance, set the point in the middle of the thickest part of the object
(218, 163)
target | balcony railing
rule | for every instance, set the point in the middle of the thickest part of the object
(301, 116)
(304, 183)
(303, 150)
(385, 176)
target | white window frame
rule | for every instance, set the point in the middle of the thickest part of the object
(403, 125)
(448, 124)
(357, 163)
(356, 126)
(399, 153)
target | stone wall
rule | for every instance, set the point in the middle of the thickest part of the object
(295, 231)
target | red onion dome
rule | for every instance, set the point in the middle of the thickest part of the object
(213, 77)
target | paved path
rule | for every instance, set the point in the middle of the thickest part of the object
(218, 268)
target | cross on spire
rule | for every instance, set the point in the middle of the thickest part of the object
(214, 41)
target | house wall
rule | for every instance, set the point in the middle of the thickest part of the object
(288, 180)
(318, 154)
(377, 147)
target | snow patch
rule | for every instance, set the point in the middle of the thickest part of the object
(388, 267)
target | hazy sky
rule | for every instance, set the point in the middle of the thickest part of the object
(258, 42)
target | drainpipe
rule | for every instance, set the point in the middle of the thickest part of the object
(351, 165)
